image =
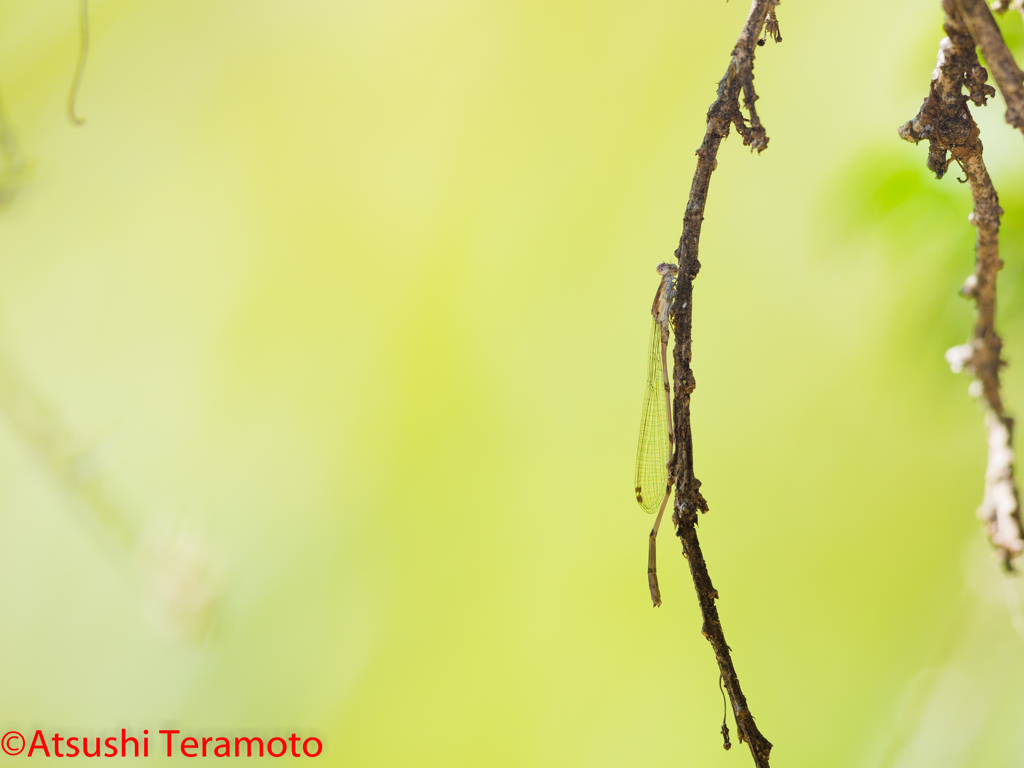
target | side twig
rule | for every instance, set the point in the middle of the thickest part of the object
(947, 124)
(982, 28)
(723, 113)
(13, 169)
(83, 52)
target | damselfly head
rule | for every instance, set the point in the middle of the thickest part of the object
(667, 269)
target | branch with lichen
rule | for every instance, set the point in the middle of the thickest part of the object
(724, 113)
(173, 559)
(946, 123)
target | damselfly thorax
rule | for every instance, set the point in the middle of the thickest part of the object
(663, 298)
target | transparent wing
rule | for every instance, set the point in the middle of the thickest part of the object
(654, 449)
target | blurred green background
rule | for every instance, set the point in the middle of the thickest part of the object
(322, 348)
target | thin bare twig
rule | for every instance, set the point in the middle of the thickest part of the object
(982, 28)
(83, 51)
(39, 424)
(13, 169)
(723, 113)
(947, 124)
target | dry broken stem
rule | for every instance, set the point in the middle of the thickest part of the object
(723, 113)
(945, 121)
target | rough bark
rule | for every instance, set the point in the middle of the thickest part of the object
(724, 112)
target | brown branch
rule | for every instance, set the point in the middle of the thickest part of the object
(982, 28)
(724, 112)
(947, 124)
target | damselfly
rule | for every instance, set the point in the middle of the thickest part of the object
(654, 451)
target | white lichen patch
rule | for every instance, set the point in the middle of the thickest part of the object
(959, 356)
